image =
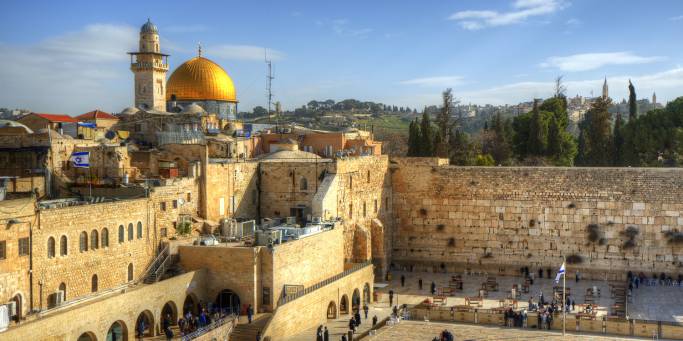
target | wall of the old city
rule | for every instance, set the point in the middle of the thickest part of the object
(504, 218)
(174, 203)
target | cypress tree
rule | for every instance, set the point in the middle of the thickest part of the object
(554, 139)
(597, 131)
(617, 153)
(426, 136)
(632, 104)
(538, 133)
(443, 123)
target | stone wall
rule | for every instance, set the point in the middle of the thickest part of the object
(108, 262)
(234, 184)
(504, 218)
(97, 316)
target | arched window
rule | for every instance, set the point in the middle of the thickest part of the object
(303, 184)
(50, 247)
(130, 231)
(105, 237)
(63, 247)
(368, 175)
(94, 240)
(62, 288)
(139, 230)
(130, 272)
(93, 283)
(83, 242)
(122, 234)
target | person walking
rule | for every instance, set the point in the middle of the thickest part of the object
(250, 313)
(258, 336)
(365, 310)
(326, 334)
(419, 283)
(374, 320)
(403, 280)
(352, 325)
(391, 298)
(319, 333)
(433, 291)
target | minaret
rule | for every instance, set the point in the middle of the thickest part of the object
(605, 89)
(654, 100)
(150, 67)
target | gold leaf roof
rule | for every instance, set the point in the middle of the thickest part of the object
(200, 79)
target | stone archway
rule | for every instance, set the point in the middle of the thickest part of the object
(170, 313)
(87, 336)
(191, 305)
(117, 332)
(18, 301)
(366, 293)
(331, 311)
(228, 302)
(344, 305)
(144, 325)
(355, 301)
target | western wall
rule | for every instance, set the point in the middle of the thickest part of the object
(606, 221)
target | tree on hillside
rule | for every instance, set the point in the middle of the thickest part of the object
(597, 133)
(500, 144)
(259, 111)
(560, 88)
(426, 136)
(538, 132)
(632, 102)
(414, 139)
(443, 124)
(463, 152)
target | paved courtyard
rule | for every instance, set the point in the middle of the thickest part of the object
(416, 330)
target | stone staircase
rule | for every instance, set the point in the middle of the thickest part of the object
(159, 266)
(247, 331)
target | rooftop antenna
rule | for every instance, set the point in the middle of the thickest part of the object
(269, 83)
(199, 49)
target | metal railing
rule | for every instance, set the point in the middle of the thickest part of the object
(213, 325)
(356, 267)
(157, 265)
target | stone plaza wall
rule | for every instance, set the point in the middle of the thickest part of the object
(609, 219)
(232, 190)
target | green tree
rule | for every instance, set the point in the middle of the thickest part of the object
(501, 134)
(538, 132)
(632, 102)
(443, 124)
(426, 136)
(597, 130)
(462, 151)
(618, 138)
(414, 138)
(484, 160)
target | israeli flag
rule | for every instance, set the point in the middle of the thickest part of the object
(80, 159)
(559, 274)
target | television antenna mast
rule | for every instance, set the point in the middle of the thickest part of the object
(269, 82)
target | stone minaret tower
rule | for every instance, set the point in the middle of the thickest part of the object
(605, 89)
(150, 67)
(654, 100)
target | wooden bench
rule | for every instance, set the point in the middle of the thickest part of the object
(439, 300)
(474, 301)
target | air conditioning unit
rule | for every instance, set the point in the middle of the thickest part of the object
(291, 220)
(317, 220)
(12, 309)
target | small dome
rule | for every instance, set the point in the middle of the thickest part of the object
(291, 155)
(129, 111)
(148, 27)
(193, 109)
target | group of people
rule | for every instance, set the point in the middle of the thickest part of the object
(634, 280)
(515, 318)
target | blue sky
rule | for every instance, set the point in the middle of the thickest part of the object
(71, 57)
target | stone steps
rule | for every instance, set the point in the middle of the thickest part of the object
(247, 331)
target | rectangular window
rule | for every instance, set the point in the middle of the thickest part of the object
(162, 205)
(351, 211)
(3, 249)
(375, 205)
(23, 246)
(175, 225)
(164, 232)
(175, 203)
(189, 197)
(364, 209)
(265, 296)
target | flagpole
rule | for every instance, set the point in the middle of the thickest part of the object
(564, 300)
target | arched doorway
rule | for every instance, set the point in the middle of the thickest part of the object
(87, 336)
(144, 325)
(344, 305)
(117, 332)
(331, 311)
(18, 302)
(169, 312)
(366, 293)
(355, 301)
(191, 305)
(228, 302)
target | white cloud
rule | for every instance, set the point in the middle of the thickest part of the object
(592, 61)
(438, 81)
(680, 17)
(72, 72)
(243, 52)
(667, 84)
(521, 10)
(343, 28)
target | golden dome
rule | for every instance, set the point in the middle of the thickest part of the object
(200, 79)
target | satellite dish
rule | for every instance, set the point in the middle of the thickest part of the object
(110, 134)
(181, 201)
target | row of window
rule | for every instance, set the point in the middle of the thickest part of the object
(386, 203)
(162, 204)
(24, 247)
(96, 240)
